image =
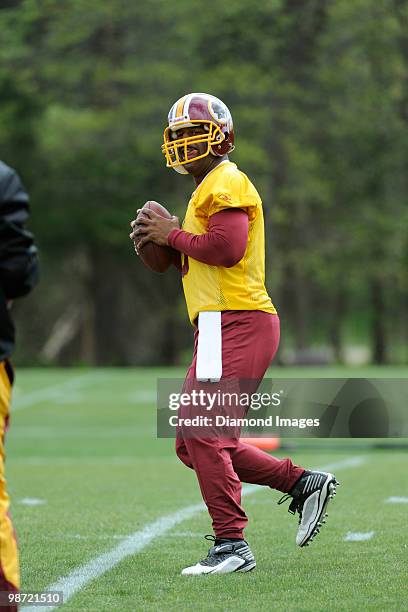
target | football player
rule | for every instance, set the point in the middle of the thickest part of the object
(18, 275)
(221, 246)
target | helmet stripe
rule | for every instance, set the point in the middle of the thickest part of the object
(180, 106)
(189, 97)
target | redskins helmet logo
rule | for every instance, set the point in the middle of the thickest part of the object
(217, 111)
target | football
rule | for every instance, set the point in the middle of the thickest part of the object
(157, 258)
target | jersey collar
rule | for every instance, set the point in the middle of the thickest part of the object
(226, 161)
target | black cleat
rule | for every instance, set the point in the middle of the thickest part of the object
(225, 557)
(311, 494)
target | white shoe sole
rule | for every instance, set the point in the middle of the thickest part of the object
(319, 500)
(228, 566)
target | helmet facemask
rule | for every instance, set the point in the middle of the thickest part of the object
(176, 151)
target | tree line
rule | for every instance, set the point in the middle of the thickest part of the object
(319, 95)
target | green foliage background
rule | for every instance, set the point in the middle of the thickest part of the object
(319, 96)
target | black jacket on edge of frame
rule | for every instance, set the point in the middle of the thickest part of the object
(18, 255)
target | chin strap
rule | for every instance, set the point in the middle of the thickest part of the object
(180, 169)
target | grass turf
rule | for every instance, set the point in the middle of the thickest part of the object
(87, 448)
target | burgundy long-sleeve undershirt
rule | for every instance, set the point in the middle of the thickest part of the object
(223, 245)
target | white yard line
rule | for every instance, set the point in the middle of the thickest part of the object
(346, 463)
(358, 536)
(31, 501)
(397, 500)
(54, 392)
(137, 541)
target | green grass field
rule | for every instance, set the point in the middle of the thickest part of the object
(83, 444)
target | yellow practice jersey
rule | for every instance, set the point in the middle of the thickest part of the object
(241, 287)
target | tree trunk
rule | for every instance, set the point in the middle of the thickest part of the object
(379, 340)
(338, 312)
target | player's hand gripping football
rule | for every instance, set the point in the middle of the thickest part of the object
(151, 227)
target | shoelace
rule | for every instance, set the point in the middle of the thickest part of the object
(293, 506)
(212, 539)
(284, 498)
(210, 556)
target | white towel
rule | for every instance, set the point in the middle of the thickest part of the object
(209, 349)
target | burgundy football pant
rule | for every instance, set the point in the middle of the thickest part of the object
(249, 342)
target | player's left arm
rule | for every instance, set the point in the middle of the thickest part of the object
(18, 254)
(229, 210)
(224, 243)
